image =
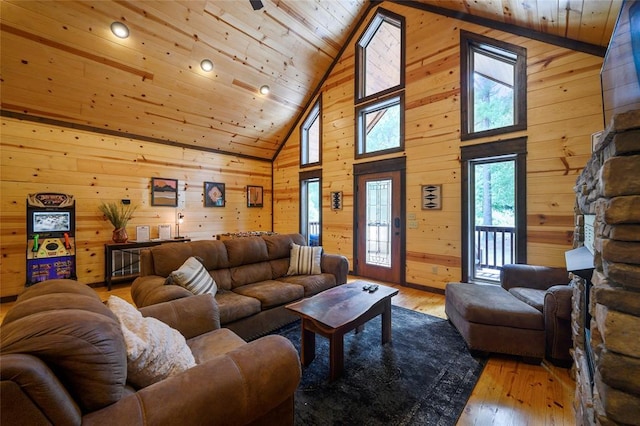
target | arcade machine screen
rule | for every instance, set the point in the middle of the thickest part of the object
(51, 222)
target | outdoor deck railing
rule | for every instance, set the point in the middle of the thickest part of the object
(495, 246)
(314, 233)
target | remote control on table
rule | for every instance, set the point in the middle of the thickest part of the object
(373, 287)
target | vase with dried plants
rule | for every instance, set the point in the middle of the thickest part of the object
(119, 215)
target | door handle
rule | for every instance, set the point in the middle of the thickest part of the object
(396, 222)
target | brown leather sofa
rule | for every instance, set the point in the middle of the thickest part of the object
(63, 361)
(251, 275)
(528, 315)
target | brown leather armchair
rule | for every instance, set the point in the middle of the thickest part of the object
(63, 361)
(546, 289)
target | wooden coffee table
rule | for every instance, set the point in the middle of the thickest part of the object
(335, 312)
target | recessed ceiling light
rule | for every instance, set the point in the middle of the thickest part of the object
(264, 89)
(120, 30)
(206, 65)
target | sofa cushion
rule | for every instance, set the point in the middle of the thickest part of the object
(279, 267)
(235, 306)
(531, 296)
(212, 252)
(56, 302)
(222, 277)
(304, 260)
(272, 293)
(279, 246)
(214, 343)
(193, 276)
(313, 284)
(155, 351)
(251, 273)
(492, 305)
(169, 257)
(81, 342)
(245, 251)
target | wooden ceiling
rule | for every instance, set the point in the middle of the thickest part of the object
(61, 63)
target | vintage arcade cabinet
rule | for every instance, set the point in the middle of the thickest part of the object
(51, 223)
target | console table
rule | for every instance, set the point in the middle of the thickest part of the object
(122, 260)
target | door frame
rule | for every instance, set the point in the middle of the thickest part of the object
(517, 147)
(389, 165)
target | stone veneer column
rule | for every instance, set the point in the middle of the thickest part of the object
(609, 187)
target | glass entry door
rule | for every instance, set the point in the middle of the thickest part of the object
(493, 217)
(379, 226)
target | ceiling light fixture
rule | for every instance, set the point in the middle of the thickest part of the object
(120, 30)
(264, 89)
(256, 4)
(206, 65)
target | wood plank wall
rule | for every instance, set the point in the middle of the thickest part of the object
(564, 109)
(95, 167)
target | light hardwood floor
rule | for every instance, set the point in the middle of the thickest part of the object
(509, 392)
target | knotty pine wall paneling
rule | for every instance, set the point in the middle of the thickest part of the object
(564, 109)
(96, 167)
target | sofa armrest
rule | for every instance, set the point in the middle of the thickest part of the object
(337, 265)
(236, 388)
(532, 276)
(191, 316)
(149, 290)
(32, 394)
(557, 301)
(557, 323)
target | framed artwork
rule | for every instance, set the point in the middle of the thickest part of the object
(214, 194)
(336, 200)
(164, 232)
(142, 233)
(164, 192)
(254, 196)
(431, 197)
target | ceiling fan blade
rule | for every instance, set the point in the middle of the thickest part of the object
(256, 4)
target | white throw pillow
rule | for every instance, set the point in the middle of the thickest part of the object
(155, 351)
(193, 276)
(305, 260)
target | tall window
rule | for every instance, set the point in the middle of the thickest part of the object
(380, 56)
(380, 126)
(311, 206)
(379, 90)
(494, 86)
(310, 137)
(494, 217)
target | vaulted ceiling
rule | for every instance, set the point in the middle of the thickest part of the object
(61, 63)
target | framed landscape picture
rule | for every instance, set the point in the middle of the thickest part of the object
(164, 192)
(254, 196)
(214, 194)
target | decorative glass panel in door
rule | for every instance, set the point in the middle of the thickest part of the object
(379, 223)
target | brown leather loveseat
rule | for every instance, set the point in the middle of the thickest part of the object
(63, 361)
(251, 277)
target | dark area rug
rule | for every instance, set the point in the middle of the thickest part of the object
(424, 376)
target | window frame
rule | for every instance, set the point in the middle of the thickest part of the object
(382, 15)
(515, 148)
(303, 177)
(360, 136)
(470, 42)
(315, 113)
